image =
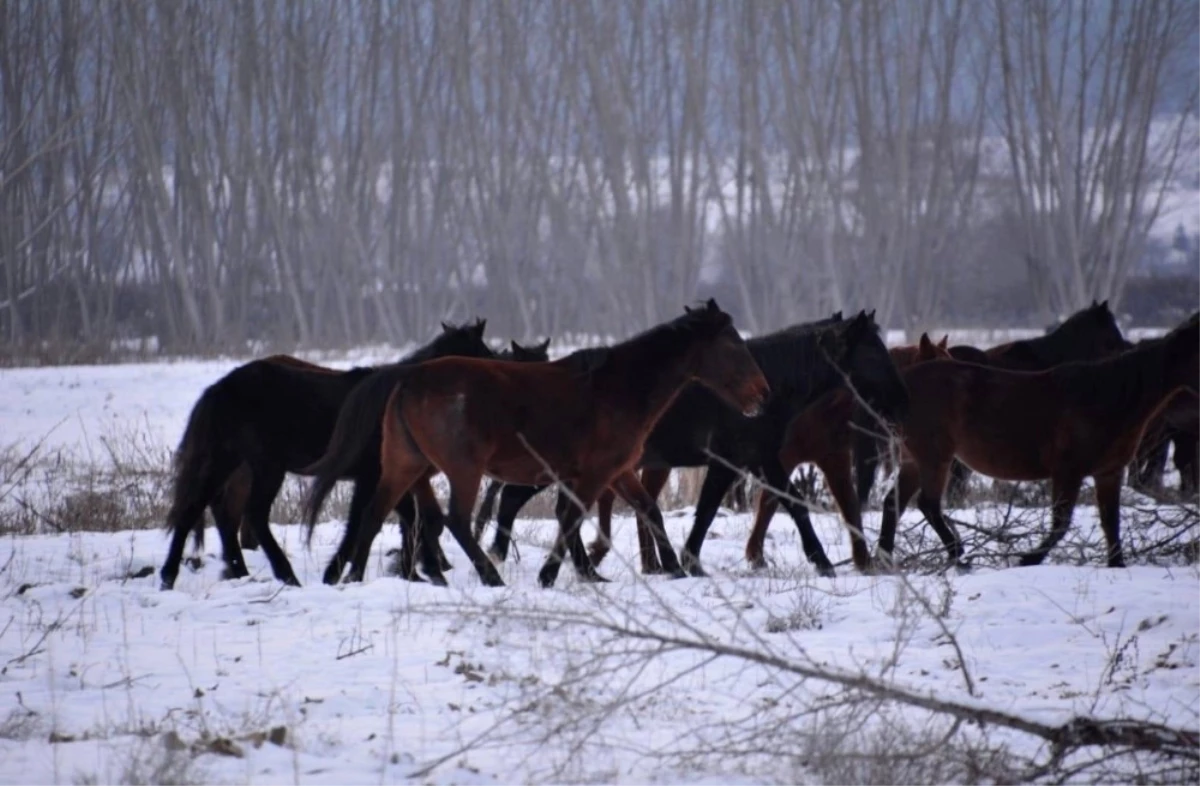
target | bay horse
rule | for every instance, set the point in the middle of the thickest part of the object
(654, 478)
(1091, 333)
(1064, 424)
(580, 422)
(801, 363)
(254, 425)
(696, 418)
(359, 461)
(823, 434)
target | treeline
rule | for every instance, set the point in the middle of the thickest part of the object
(215, 172)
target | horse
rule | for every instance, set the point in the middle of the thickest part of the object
(683, 434)
(823, 434)
(1179, 424)
(1064, 424)
(580, 422)
(801, 363)
(1091, 333)
(250, 428)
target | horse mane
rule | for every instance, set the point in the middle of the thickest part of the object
(1115, 384)
(706, 318)
(792, 359)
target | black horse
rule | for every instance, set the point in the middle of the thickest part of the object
(257, 423)
(801, 363)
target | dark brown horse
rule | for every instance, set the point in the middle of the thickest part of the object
(1070, 422)
(260, 421)
(580, 422)
(1091, 333)
(823, 434)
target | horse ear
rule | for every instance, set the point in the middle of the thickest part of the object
(1104, 304)
(945, 342)
(925, 345)
(480, 324)
(545, 345)
(871, 315)
(837, 316)
(514, 346)
(712, 306)
(446, 327)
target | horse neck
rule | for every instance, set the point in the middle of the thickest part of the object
(1140, 379)
(652, 370)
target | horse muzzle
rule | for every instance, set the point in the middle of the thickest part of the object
(757, 403)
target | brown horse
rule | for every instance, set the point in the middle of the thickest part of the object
(580, 421)
(823, 435)
(1067, 423)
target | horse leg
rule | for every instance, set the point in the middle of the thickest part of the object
(236, 492)
(642, 500)
(512, 499)
(1108, 500)
(907, 482)
(486, 507)
(836, 467)
(1150, 461)
(602, 543)
(960, 475)
(464, 487)
(187, 510)
(716, 482)
(768, 503)
(866, 459)
(345, 550)
(1187, 461)
(570, 516)
(228, 517)
(1064, 492)
(929, 502)
(776, 477)
(653, 481)
(263, 490)
(417, 516)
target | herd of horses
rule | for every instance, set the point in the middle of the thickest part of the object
(1077, 402)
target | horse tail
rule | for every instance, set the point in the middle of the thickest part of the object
(194, 462)
(356, 436)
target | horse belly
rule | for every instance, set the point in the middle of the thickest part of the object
(1013, 460)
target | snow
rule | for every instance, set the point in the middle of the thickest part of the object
(389, 681)
(359, 673)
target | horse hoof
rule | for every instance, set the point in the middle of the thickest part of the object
(652, 570)
(291, 581)
(826, 571)
(757, 563)
(437, 580)
(445, 564)
(964, 568)
(1116, 563)
(593, 578)
(680, 573)
(194, 563)
(495, 556)
(1028, 560)
(166, 585)
(546, 581)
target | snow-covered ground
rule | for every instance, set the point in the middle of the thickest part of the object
(102, 676)
(374, 682)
